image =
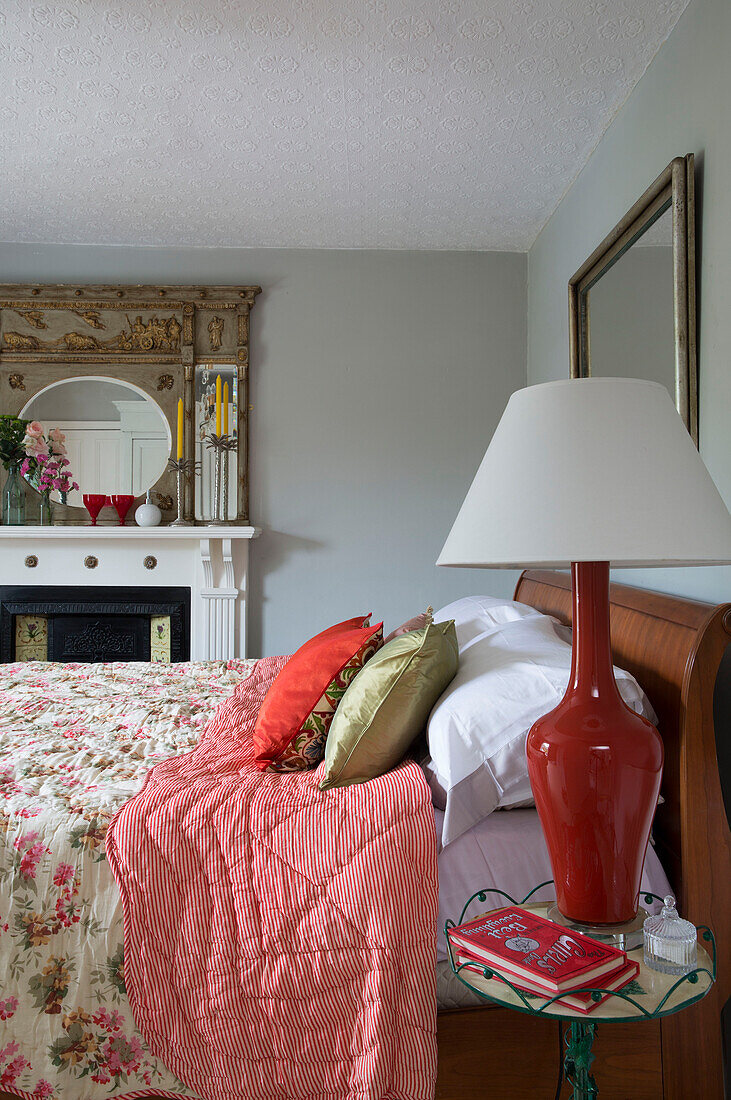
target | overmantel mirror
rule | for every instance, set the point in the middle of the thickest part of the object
(107, 366)
(632, 303)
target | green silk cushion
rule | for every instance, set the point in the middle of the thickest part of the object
(388, 703)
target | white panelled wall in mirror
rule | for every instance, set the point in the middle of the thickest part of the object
(117, 437)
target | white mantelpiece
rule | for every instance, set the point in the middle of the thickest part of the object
(212, 561)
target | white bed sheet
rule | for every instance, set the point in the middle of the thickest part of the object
(506, 851)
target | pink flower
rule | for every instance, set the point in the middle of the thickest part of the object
(34, 428)
(114, 1062)
(24, 841)
(31, 858)
(42, 1089)
(64, 873)
(106, 1020)
(13, 1070)
(35, 446)
(8, 1008)
(135, 1047)
(65, 912)
(57, 435)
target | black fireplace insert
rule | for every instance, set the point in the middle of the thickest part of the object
(97, 624)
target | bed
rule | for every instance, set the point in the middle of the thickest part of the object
(67, 916)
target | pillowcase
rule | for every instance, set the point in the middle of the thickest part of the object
(294, 719)
(424, 619)
(387, 705)
(514, 668)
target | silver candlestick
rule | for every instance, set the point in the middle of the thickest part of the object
(221, 444)
(183, 468)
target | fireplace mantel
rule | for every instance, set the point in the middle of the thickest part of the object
(122, 534)
(212, 561)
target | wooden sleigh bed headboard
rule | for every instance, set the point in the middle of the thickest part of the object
(674, 647)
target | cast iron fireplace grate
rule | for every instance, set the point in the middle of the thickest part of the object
(95, 624)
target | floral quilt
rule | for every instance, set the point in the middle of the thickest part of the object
(76, 742)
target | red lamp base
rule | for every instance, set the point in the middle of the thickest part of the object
(595, 768)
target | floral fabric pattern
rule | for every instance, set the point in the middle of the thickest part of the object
(76, 742)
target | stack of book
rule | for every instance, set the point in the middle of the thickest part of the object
(541, 957)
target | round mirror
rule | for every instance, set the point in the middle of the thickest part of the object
(116, 438)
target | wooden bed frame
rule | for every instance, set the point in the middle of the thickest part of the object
(674, 647)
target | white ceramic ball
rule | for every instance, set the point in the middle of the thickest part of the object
(148, 514)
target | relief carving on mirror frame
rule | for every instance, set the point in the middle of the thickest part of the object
(215, 331)
(126, 334)
(141, 334)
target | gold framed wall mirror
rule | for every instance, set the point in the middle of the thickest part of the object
(108, 365)
(632, 307)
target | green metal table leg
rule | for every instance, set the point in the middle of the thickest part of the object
(578, 1058)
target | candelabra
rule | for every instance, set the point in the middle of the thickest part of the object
(183, 469)
(221, 444)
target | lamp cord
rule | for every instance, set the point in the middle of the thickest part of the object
(559, 1085)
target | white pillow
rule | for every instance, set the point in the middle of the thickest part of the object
(514, 665)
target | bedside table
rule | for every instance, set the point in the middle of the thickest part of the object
(650, 996)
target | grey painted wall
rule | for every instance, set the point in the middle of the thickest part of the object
(377, 381)
(679, 106)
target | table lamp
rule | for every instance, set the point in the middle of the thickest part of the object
(586, 473)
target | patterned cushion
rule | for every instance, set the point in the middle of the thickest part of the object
(294, 719)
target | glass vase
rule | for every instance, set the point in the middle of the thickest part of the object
(45, 513)
(13, 499)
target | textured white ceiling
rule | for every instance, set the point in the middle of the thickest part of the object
(371, 124)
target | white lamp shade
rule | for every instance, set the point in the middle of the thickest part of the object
(591, 469)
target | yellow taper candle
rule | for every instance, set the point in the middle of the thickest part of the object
(225, 408)
(180, 428)
(218, 404)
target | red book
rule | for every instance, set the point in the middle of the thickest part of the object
(524, 946)
(579, 1002)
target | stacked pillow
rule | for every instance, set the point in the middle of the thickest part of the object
(295, 717)
(386, 707)
(346, 696)
(514, 665)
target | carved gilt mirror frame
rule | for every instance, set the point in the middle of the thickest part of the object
(150, 336)
(672, 190)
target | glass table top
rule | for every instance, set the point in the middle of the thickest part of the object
(651, 995)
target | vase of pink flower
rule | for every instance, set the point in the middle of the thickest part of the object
(46, 466)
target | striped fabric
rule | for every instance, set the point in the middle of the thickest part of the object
(280, 940)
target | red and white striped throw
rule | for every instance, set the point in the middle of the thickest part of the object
(280, 940)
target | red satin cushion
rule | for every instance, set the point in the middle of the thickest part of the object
(293, 720)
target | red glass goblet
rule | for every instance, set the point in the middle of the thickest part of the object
(94, 502)
(122, 503)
